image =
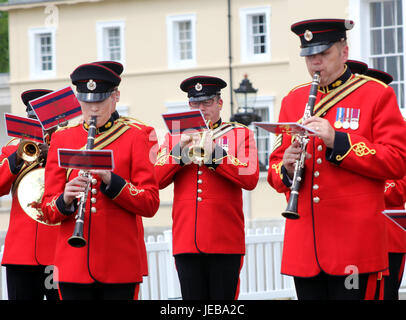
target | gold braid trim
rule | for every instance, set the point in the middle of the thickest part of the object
(277, 168)
(130, 121)
(162, 160)
(360, 149)
(52, 204)
(163, 157)
(234, 160)
(336, 95)
(277, 143)
(2, 161)
(389, 185)
(115, 132)
(133, 190)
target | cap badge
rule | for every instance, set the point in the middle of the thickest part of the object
(198, 87)
(91, 85)
(308, 35)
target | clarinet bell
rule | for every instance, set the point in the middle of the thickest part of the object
(290, 215)
(77, 241)
(291, 209)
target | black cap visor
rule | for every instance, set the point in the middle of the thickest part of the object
(317, 48)
(201, 98)
(93, 96)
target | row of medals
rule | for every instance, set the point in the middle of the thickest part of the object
(347, 118)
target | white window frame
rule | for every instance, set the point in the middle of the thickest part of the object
(35, 64)
(171, 26)
(359, 37)
(246, 45)
(266, 102)
(101, 28)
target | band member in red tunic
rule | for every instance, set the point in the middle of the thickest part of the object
(395, 198)
(335, 249)
(29, 245)
(112, 263)
(208, 221)
(152, 139)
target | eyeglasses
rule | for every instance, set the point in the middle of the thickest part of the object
(196, 104)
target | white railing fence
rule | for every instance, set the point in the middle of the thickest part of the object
(162, 281)
(260, 276)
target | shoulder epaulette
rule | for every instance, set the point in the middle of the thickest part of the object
(130, 122)
(373, 79)
(134, 120)
(72, 125)
(236, 124)
(299, 86)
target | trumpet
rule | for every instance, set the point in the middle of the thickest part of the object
(77, 239)
(197, 152)
(28, 151)
(291, 211)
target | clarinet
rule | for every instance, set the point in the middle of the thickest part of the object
(77, 239)
(291, 209)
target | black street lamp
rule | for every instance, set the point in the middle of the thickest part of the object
(246, 97)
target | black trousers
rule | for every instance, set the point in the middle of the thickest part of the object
(393, 281)
(328, 287)
(209, 276)
(30, 283)
(98, 291)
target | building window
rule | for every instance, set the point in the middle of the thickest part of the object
(258, 27)
(255, 34)
(45, 51)
(181, 41)
(387, 43)
(110, 41)
(42, 52)
(264, 139)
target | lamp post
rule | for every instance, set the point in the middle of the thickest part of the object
(246, 97)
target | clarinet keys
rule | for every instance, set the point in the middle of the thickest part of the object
(291, 211)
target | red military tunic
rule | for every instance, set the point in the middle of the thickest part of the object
(395, 194)
(207, 206)
(115, 250)
(341, 196)
(27, 241)
(395, 198)
(153, 150)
